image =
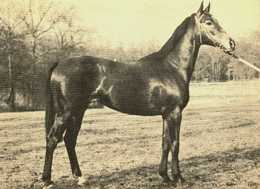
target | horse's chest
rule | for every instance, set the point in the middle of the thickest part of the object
(167, 94)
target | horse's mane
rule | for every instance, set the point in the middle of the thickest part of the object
(176, 36)
(170, 44)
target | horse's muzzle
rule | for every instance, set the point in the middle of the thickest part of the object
(232, 44)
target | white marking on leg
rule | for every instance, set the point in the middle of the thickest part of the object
(82, 181)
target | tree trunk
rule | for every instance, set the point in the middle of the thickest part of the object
(33, 76)
(12, 94)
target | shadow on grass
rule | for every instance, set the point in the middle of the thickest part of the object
(199, 172)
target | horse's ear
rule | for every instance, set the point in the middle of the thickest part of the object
(200, 11)
(207, 9)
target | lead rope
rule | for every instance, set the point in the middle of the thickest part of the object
(245, 62)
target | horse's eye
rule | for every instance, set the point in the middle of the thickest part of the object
(209, 23)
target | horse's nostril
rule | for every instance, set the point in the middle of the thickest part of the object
(232, 44)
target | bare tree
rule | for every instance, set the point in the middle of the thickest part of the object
(39, 20)
(69, 36)
(10, 37)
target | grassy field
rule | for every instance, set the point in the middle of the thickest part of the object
(220, 144)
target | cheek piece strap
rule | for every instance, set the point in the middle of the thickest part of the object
(199, 30)
(200, 34)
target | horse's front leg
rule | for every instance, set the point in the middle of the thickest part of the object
(174, 123)
(165, 151)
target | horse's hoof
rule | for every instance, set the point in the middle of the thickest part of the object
(82, 181)
(164, 176)
(166, 179)
(178, 179)
(39, 183)
(50, 186)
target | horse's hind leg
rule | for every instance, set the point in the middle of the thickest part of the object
(61, 122)
(70, 140)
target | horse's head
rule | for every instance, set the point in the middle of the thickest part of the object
(210, 32)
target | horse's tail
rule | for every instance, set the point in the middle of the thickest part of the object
(49, 108)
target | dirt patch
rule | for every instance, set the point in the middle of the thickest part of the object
(220, 145)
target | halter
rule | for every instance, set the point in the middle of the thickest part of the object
(199, 26)
(200, 35)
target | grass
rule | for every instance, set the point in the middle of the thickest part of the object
(220, 144)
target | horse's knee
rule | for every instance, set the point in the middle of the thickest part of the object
(51, 142)
(69, 140)
(56, 132)
(53, 138)
(70, 137)
(175, 146)
(175, 114)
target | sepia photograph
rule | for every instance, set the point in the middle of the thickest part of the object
(129, 94)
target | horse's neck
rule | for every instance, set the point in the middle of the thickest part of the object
(183, 54)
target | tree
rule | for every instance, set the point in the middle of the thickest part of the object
(39, 22)
(222, 68)
(11, 42)
(203, 66)
(69, 37)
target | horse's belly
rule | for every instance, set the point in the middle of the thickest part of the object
(139, 96)
(134, 104)
(135, 111)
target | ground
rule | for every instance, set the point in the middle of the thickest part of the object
(220, 145)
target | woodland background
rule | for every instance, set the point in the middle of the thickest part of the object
(33, 36)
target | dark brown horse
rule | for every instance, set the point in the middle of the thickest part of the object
(158, 84)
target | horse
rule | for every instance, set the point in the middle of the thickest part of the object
(157, 84)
